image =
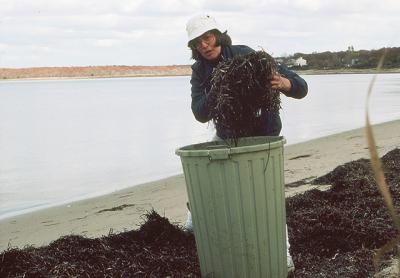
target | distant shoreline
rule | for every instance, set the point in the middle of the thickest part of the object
(90, 77)
(346, 71)
(89, 72)
(96, 72)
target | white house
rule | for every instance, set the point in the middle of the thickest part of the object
(300, 62)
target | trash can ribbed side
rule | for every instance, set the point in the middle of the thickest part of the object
(238, 208)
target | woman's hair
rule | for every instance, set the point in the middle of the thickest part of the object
(222, 39)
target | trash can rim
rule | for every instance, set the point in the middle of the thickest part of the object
(221, 147)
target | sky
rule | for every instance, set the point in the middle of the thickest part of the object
(38, 33)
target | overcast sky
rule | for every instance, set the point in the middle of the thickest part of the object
(38, 33)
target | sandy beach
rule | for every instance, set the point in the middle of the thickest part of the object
(122, 210)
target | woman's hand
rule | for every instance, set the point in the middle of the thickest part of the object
(280, 83)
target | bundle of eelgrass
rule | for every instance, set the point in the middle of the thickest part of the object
(240, 91)
(157, 249)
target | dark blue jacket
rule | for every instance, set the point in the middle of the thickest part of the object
(271, 124)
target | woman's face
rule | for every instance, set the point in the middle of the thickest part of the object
(206, 46)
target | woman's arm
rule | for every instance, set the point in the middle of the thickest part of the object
(199, 98)
(289, 83)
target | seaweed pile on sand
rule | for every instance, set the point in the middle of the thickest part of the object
(333, 233)
(240, 89)
(157, 249)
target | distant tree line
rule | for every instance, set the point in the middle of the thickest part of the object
(360, 59)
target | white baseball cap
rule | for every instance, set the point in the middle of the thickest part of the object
(199, 24)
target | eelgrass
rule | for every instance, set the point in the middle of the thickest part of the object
(157, 249)
(335, 233)
(240, 91)
(380, 176)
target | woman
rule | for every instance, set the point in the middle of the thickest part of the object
(210, 46)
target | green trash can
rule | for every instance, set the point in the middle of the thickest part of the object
(237, 201)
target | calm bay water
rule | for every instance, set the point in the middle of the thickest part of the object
(64, 140)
